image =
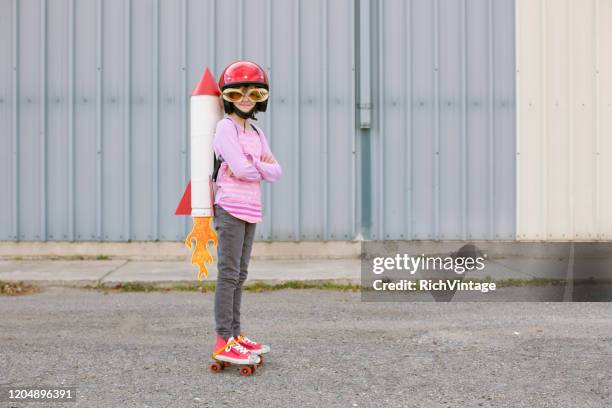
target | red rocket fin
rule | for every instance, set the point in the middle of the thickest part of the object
(207, 85)
(184, 207)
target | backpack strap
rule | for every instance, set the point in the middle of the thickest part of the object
(219, 160)
(258, 131)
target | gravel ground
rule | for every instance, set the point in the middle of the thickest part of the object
(328, 349)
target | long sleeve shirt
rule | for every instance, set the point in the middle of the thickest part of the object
(241, 151)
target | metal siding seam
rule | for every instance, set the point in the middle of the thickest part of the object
(270, 117)
(296, 120)
(408, 122)
(464, 162)
(155, 103)
(514, 233)
(127, 121)
(43, 120)
(362, 31)
(491, 172)
(570, 120)
(325, 93)
(184, 96)
(365, 91)
(517, 105)
(71, 141)
(358, 175)
(598, 233)
(99, 43)
(380, 144)
(436, 39)
(353, 99)
(543, 118)
(16, 120)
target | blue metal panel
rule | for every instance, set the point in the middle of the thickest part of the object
(42, 119)
(443, 130)
(184, 100)
(103, 114)
(340, 131)
(451, 81)
(251, 37)
(143, 135)
(85, 120)
(283, 86)
(504, 119)
(7, 107)
(155, 119)
(324, 112)
(422, 132)
(71, 109)
(478, 115)
(57, 121)
(29, 65)
(97, 107)
(127, 119)
(296, 130)
(113, 101)
(310, 150)
(99, 118)
(170, 96)
(15, 120)
(265, 231)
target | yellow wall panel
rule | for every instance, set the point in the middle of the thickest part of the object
(564, 128)
(604, 118)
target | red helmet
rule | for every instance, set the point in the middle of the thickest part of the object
(241, 73)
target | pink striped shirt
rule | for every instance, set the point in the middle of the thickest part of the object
(240, 194)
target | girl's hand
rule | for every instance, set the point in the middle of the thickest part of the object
(267, 158)
(228, 172)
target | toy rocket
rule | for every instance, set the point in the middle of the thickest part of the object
(206, 111)
(197, 201)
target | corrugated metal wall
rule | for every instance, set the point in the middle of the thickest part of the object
(94, 104)
(443, 134)
(565, 119)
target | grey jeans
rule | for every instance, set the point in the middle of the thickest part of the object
(233, 254)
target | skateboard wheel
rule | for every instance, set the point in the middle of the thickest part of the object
(246, 371)
(216, 367)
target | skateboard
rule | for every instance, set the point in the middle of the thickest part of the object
(245, 369)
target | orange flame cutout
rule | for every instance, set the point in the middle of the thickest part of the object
(197, 240)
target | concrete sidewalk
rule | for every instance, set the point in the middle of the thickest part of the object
(167, 263)
(90, 272)
(81, 273)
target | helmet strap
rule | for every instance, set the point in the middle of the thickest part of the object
(246, 115)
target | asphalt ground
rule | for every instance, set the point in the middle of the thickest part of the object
(329, 349)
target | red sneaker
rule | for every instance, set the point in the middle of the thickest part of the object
(232, 352)
(253, 346)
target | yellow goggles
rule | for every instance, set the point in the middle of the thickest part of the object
(254, 94)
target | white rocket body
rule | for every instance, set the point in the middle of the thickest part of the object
(206, 111)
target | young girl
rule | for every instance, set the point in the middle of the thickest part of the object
(246, 160)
